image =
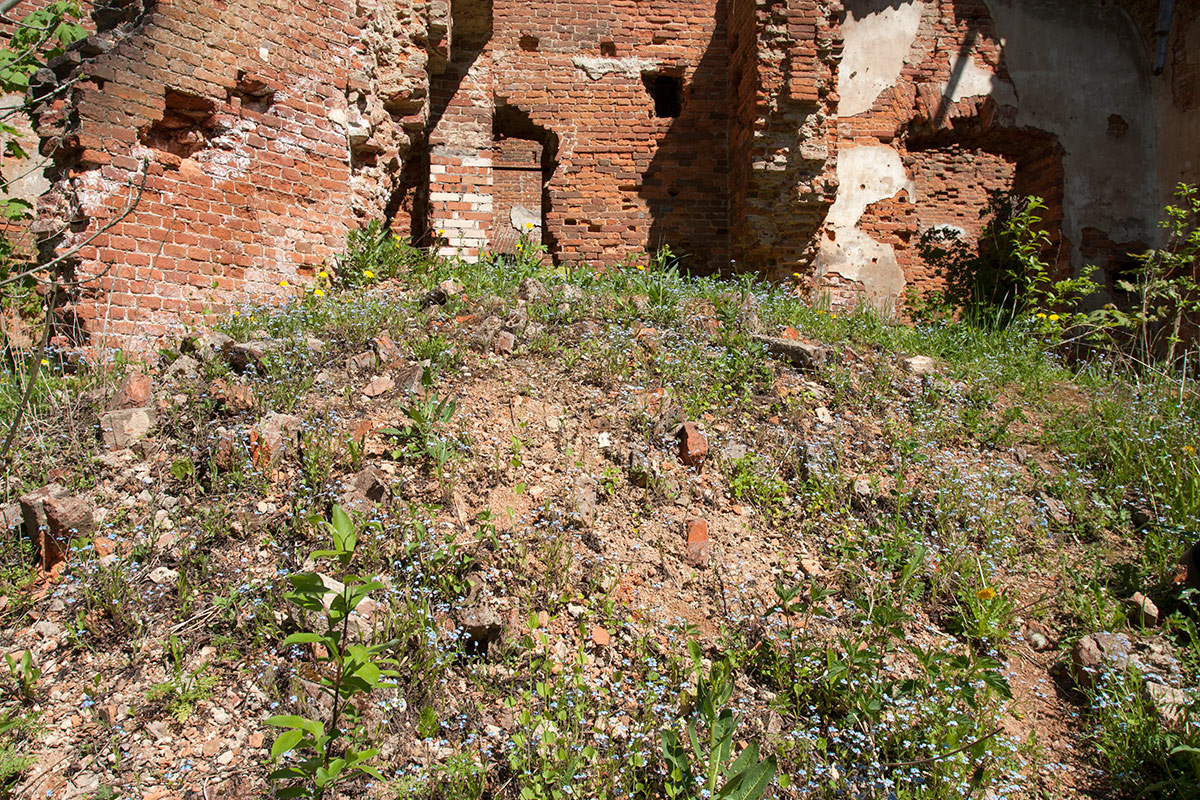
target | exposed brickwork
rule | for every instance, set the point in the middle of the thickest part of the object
(783, 141)
(609, 128)
(957, 152)
(243, 126)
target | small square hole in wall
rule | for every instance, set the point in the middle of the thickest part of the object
(667, 92)
(608, 49)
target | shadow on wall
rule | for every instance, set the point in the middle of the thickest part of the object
(686, 184)
(510, 122)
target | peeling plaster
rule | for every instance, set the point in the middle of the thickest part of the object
(1073, 64)
(975, 81)
(875, 45)
(597, 67)
(866, 175)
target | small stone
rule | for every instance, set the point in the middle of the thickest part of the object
(205, 345)
(386, 350)
(600, 636)
(862, 487)
(163, 576)
(919, 365)
(183, 368)
(314, 344)
(372, 485)
(120, 429)
(408, 378)
(243, 355)
(363, 362)
(583, 500)
(1142, 610)
(1169, 703)
(134, 392)
(272, 437)
(531, 290)
(801, 355)
(380, 384)
(53, 517)
(693, 445)
(505, 343)
(485, 333)
(823, 415)
(255, 741)
(811, 567)
(697, 549)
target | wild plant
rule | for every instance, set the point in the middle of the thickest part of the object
(423, 439)
(710, 735)
(331, 750)
(183, 687)
(1164, 288)
(24, 672)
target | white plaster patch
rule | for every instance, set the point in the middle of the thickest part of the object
(597, 67)
(873, 52)
(520, 216)
(975, 81)
(866, 175)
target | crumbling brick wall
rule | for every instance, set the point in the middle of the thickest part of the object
(744, 134)
(241, 133)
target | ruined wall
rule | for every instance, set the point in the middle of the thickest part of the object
(630, 101)
(766, 135)
(783, 142)
(259, 133)
(951, 100)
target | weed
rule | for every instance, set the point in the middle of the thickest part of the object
(331, 749)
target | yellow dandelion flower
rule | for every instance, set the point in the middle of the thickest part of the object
(45, 363)
(986, 593)
(1187, 448)
(641, 266)
(441, 232)
(528, 226)
(795, 274)
(323, 274)
(235, 312)
(368, 274)
(1054, 317)
(318, 293)
(284, 284)
(1041, 316)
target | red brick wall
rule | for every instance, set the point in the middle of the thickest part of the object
(783, 147)
(625, 179)
(956, 152)
(516, 183)
(248, 176)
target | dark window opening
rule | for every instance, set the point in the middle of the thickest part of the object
(667, 91)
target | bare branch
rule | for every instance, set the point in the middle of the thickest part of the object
(32, 272)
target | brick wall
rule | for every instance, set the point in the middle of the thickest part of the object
(624, 179)
(243, 126)
(711, 126)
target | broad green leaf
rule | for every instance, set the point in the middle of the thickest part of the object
(286, 742)
(296, 721)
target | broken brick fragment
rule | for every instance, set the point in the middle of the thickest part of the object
(693, 445)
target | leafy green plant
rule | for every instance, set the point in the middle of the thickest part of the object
(1164, 288)
(374, 253)
(24, 673)
(422, 439)
(1005, 275)
(710, 736)
(750, 480)
(184, 688)
(331, 749)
